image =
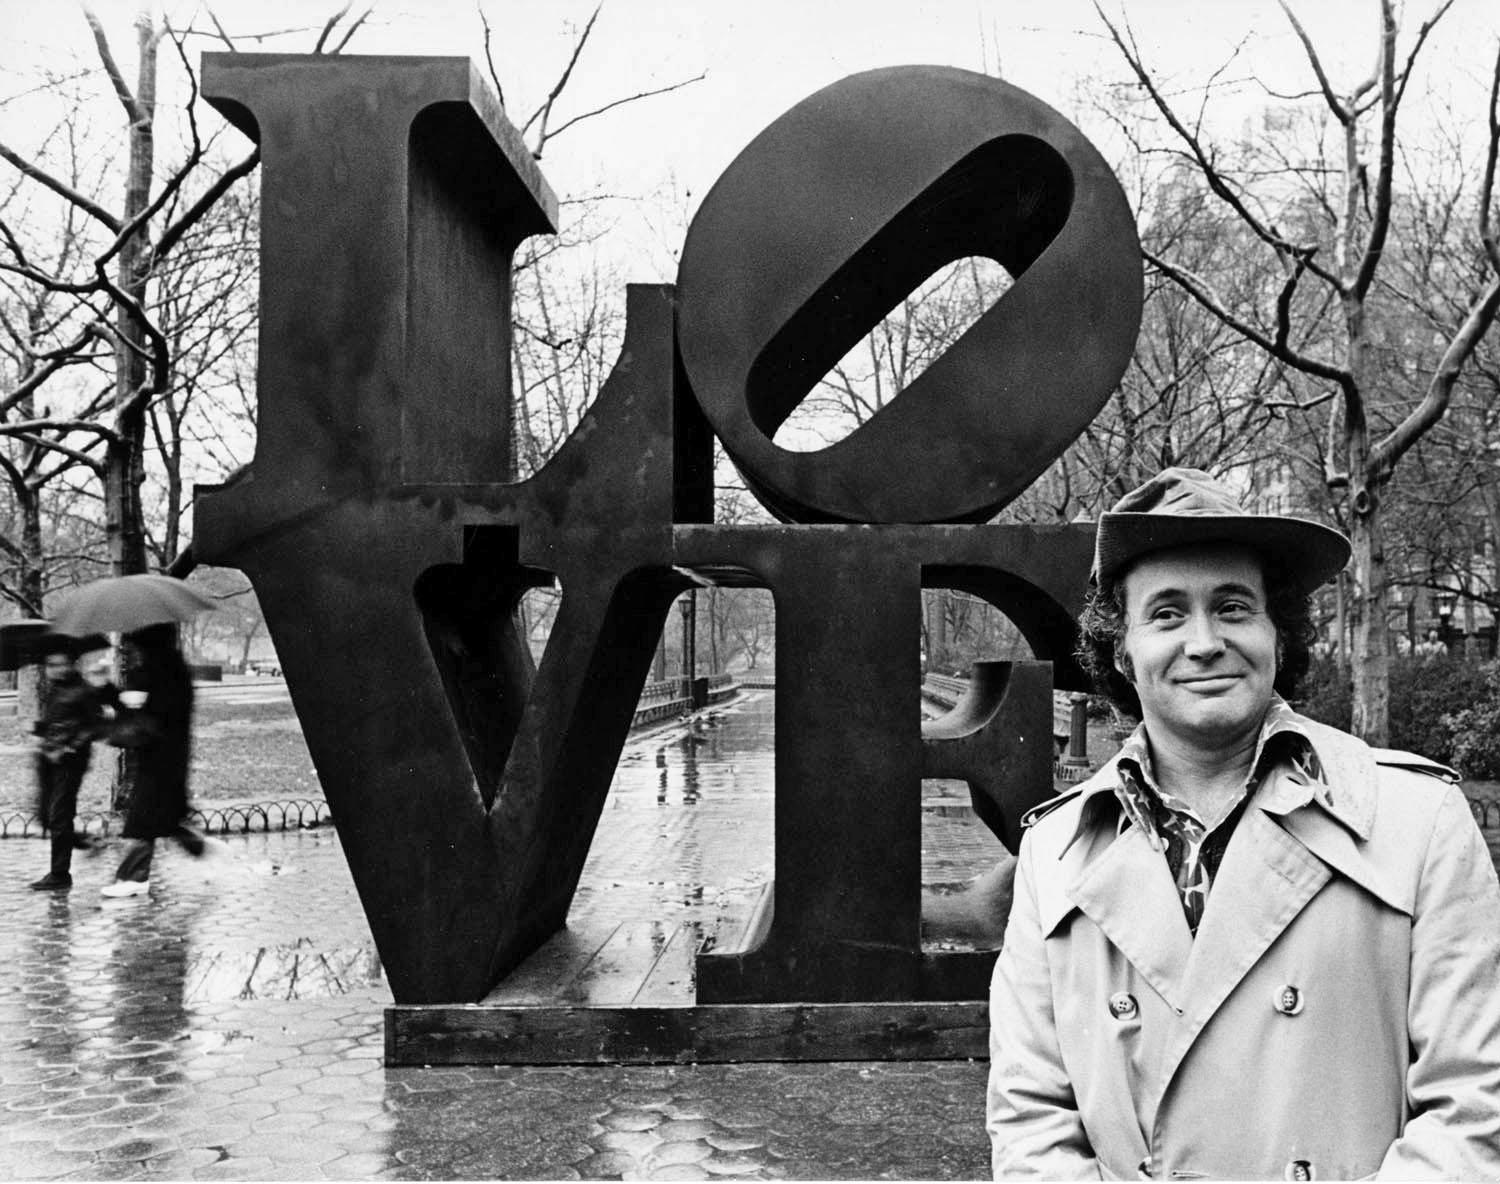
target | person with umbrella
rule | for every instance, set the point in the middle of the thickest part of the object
(73, 717)
(157, 724)
(155, 719)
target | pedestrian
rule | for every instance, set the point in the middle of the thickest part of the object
(156, 721)
(73, 717)
(1250, 946)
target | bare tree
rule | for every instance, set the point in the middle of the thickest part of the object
(145, 296)
(568, 310)
(1325, 215)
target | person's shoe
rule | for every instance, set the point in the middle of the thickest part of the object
(125, 888)
(52, 883)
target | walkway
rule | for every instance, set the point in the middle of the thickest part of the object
(230, 1025)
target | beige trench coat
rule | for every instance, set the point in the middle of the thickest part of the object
(1337, 1015)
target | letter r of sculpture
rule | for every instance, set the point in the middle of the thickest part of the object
(389, 549)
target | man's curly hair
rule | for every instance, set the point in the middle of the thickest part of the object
(1101, 635)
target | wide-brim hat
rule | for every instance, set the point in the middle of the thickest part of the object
(1179, 507)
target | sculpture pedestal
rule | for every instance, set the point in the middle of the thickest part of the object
(625, 994)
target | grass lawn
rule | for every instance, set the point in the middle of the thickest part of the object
(254, 752)
(242, 752)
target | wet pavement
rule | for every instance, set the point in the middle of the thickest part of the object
(230, 1026)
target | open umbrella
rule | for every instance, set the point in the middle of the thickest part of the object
(30, 640)
(121, 604)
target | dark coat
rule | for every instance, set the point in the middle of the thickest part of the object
(72, 719)
(159, 793)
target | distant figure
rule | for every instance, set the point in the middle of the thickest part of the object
(156, 721)
(1432, 645)
(73, 717)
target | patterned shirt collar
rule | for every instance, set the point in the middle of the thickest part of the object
(1141, 797)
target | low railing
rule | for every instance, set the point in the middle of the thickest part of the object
(236, 818)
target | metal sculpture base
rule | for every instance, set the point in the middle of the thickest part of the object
(626, 995)
(711, 1033)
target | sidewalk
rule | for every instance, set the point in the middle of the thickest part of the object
(230, 1027)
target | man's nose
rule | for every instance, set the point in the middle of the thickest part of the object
(1202, 639)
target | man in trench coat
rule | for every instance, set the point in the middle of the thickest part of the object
(1250, 946)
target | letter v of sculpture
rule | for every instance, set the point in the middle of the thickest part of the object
(389, 551)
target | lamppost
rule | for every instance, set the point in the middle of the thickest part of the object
(1445, 602)
(689, 607)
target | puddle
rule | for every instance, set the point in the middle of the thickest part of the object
(297, 971)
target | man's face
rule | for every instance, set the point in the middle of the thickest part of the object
(1199, 645)
(58, 667)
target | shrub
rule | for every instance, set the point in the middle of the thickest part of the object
(1424, 693)
(1476, 731)
(1326, 694)
(1438, 707)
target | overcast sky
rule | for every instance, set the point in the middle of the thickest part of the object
(759, 57)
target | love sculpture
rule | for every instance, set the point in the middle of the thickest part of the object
(389, 550)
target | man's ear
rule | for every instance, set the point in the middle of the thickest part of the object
(1123, 664)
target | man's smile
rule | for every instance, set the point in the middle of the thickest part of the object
(1207, 683)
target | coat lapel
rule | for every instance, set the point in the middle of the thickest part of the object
(1266, 879)
(1127, 891)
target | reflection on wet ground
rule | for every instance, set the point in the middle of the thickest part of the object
(297, 971)
(689, 826)
(229, 1025)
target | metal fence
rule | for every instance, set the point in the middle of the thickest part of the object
(241, 818)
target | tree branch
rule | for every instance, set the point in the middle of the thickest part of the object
(133, 109)
(1487, 230)
(489, 56)
(219, 28)
(205, 202)
(1200, 291)
(1385, 454)
(1425, 28)
(159, 354)
(1284, 304)
(52, 361)
(544, 112)
(50, 445)
(1340, 112)
(353, 29)
(1206, 166)
(329, 27)
(66, 192)
(1380, 222)
(645, 94)
(30, 427)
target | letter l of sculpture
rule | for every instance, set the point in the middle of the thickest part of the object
(393, 196)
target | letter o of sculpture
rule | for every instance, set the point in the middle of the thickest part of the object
(841, 208)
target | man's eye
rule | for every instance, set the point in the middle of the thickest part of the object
(1235, 609)
(1166, 616)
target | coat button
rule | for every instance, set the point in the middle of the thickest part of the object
(1289, 1002)
(1123, 1006)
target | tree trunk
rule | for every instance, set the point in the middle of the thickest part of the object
(125, 465)
(29, 678)
(125, 459)
(1371, 657)
(33, 552)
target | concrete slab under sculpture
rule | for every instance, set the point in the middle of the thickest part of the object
(389, 547)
